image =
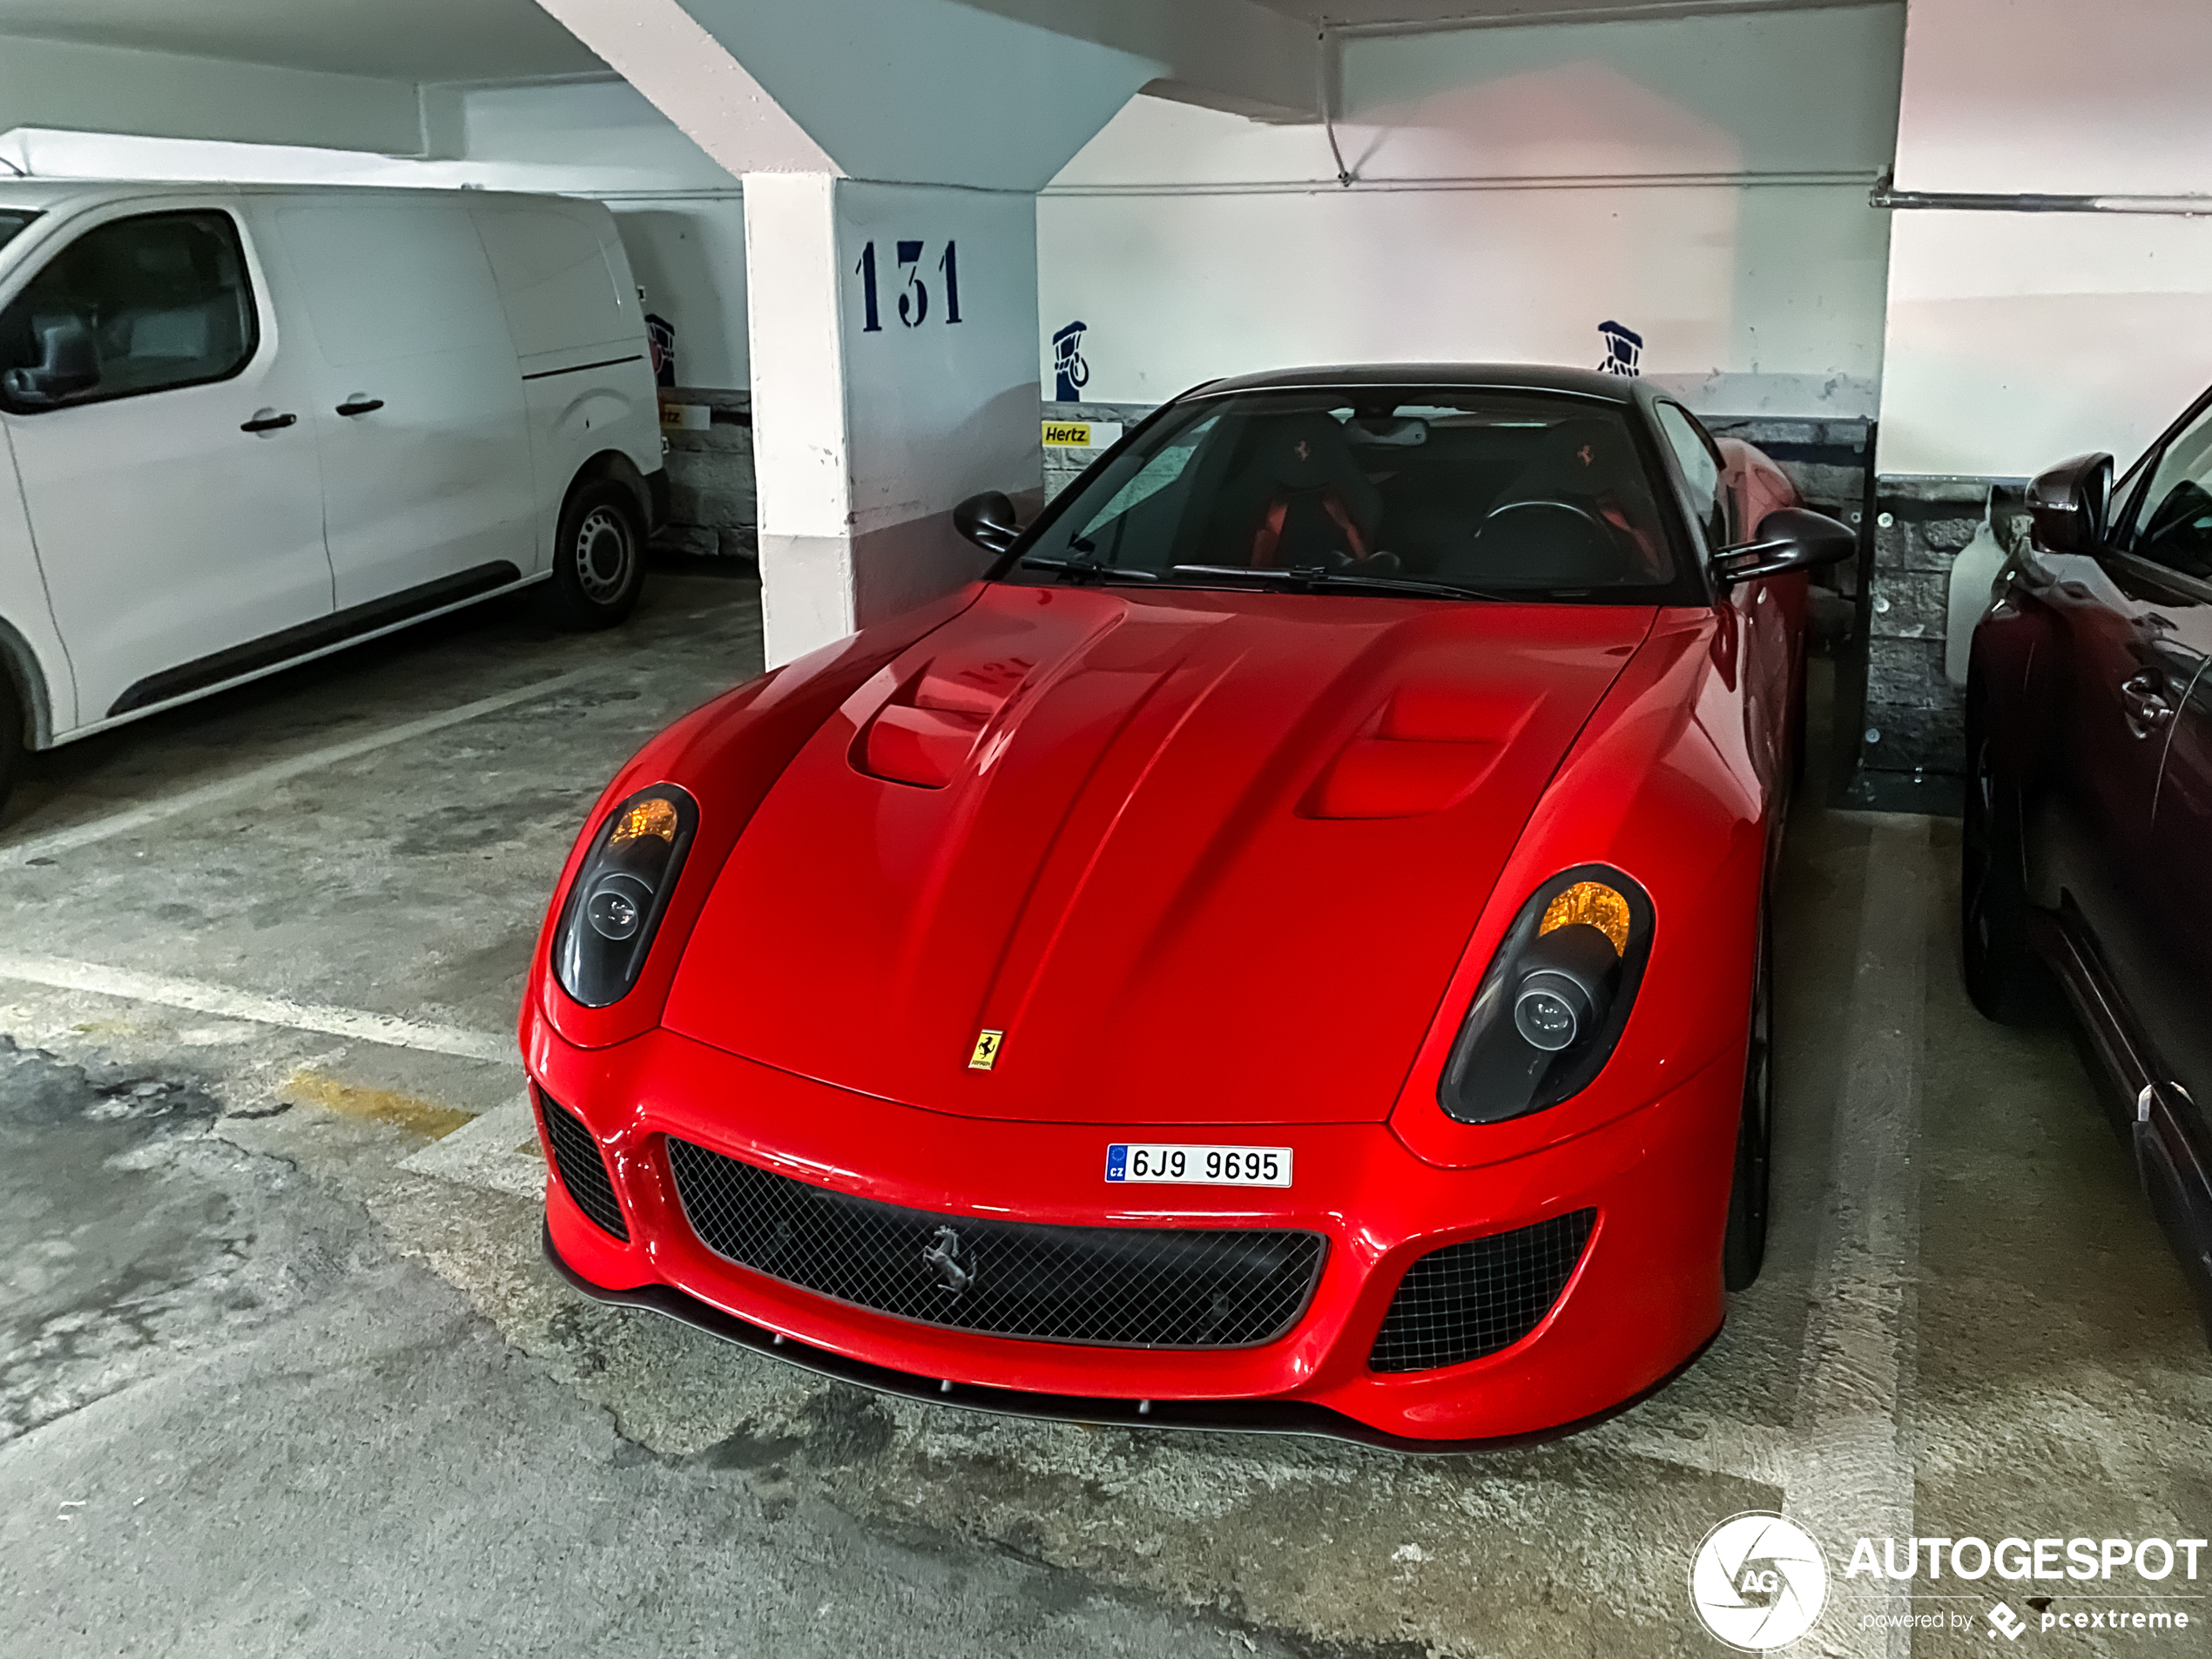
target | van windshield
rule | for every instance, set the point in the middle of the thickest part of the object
(1460, 492)
(12, 219)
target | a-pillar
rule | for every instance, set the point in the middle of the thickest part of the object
(895, 373)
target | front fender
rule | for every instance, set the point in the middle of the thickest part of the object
(728, 754)
(1662, 785)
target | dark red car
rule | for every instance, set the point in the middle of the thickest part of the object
(2088, 829)
(1286, 948)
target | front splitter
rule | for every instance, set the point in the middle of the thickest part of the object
(1206, 1416)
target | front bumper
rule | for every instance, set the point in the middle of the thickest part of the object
(1645, 1300)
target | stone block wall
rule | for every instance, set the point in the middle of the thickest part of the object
(1914, 719)
(712, 502)
(1062, 465)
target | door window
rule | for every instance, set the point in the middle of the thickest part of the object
(1700, 470)
(141, 305)
(2173, 526)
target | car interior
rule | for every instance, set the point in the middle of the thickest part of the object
(1499, 494)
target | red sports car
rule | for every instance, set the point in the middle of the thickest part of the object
(1286, 948)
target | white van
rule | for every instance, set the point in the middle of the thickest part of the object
(248, 425)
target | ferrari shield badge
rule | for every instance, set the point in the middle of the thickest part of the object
(987, 1050)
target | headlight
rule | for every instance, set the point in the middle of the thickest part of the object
(619, 893)
(1546, 1014)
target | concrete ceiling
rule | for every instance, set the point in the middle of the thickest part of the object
(408, 40)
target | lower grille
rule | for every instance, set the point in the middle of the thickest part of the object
(582, 1170)
(1469, 1299)
(1122, 1287)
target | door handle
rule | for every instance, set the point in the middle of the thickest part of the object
(2148, 713)
(360, 406)
(269, 420)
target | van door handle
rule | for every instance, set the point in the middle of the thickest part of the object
(2148, 712)
(269, 420)
(360, 406)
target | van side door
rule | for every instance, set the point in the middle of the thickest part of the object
(427, 480)
(168, 471)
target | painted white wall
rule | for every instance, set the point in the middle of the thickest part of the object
(1702, 180)
(60, 84)
(2015, 340)
(2052, 95)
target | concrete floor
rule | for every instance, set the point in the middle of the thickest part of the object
(282, 1371)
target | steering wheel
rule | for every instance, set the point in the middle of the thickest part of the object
(1524, 511)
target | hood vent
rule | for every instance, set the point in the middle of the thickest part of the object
(924, 733)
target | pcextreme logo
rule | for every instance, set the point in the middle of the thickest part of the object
(1758, 1581)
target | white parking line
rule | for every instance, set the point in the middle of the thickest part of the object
(1856, 1374)
(201, 998)
(262, 778)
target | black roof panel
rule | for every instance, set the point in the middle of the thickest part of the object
(1534, 377)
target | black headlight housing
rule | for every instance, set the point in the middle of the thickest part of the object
(621, 892)
(1548, 1012)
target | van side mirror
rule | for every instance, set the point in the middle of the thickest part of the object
(69, 364)
(1790, 538)
(2068, 504)
(987, 521)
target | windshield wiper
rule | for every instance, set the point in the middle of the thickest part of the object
(1313, 576)
(1091, 567)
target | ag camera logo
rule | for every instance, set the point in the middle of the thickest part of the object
(1758, 1581)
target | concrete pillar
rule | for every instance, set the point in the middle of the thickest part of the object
(870, 422)
(894, 372)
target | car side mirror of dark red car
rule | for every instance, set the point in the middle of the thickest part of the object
(1790, 538)
(2068, 504)
(988, 520)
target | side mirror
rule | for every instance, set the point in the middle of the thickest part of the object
(1790, 538)
(987, 521)
(70, 364)
(2068, 504)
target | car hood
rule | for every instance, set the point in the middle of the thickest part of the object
(1198, 857)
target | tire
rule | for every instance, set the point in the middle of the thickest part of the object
(1743, 1248)
(12, 750)
(2003, 976)
(598, 557)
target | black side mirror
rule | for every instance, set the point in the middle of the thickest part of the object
(2068, 504)
(1790, 538)
(987, 521)
(70, 364)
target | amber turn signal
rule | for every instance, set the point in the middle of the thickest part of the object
(1593, 904)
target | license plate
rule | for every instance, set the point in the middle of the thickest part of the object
(1203, 1166)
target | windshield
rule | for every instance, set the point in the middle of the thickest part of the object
(1499, 495)
(12, 219)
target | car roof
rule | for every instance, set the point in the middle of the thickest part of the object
(1531, 377)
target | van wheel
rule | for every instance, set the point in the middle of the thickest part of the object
(1744, 1251)
(598, 558)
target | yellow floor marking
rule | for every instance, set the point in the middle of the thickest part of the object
(381, 1105)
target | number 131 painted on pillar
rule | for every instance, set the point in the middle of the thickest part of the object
(913, 298)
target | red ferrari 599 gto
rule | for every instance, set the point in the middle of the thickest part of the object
(1287, 948)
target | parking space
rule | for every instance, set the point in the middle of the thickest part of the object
(286, 1372)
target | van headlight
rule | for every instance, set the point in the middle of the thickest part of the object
(620, 893)
(1546, 1015)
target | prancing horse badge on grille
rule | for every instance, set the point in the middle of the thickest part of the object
(942, 1257)
(987, 1050)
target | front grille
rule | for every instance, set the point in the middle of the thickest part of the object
(1469, 1299)
(1122, 1287)
(582, 1170)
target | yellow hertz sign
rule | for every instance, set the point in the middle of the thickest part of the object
(1082, 435)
